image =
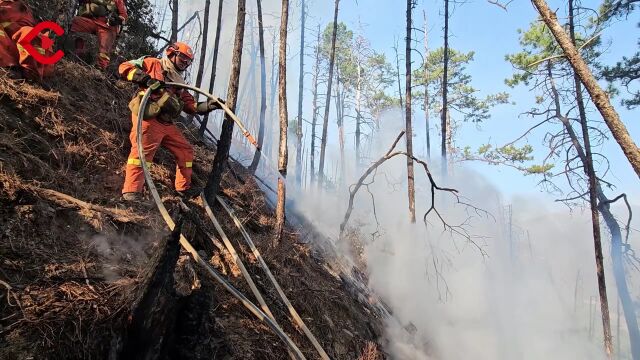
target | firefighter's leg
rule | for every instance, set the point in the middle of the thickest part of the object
(81, 24)
(8, 51)
(106, 41)
(31, 68)
(183, 152)
(152, 134)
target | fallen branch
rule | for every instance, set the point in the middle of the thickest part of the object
(63, 200)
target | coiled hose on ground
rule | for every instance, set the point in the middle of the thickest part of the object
(185, 243)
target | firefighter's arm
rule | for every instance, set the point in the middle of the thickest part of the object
(122, 10)
(208, 106)
(134, 71)
(190, 106)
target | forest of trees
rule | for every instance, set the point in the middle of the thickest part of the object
(350, 83)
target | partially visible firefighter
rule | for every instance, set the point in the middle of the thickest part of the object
(103, 18)
(16, 22)
(165, 106)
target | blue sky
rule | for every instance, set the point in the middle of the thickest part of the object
(476, 26)
(492, 33)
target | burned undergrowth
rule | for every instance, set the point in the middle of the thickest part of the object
(75, 262)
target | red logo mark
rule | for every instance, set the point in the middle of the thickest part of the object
(46, 42)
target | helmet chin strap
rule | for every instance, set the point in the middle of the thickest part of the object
(174, 60)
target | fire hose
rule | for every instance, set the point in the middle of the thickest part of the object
(292, 311)
(263, 264)
(183, 240)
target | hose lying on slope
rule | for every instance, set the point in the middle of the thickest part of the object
(263, 264)
(187, 246)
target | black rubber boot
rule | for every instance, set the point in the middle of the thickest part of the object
(190, 193)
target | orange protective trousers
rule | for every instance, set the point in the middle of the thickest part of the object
(155, 134)
(106, 37)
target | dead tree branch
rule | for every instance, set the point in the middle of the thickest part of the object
(454, 229)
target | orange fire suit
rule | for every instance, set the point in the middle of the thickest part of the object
(98, 26)
(16, 21)
(156, 132)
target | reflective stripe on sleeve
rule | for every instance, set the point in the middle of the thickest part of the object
(131, 73)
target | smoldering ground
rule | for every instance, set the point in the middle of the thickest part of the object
(513, 278)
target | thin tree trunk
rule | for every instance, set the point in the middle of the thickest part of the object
(263, 89)
(340, 123)
(272, 96)
(312, 151)
(598, 96)
(300, 98)
(358, 110)
(174, 21)
(602, 287)
(249, 80)
(409, 131)
(203, 51)
(284, 122)
(445, 82)
(426, 88)
(614, 228)
(214, 64)
(224, 144)
(401, 102)
(325, 125)
(203, 48)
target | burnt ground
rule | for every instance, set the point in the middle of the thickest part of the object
(75, 261)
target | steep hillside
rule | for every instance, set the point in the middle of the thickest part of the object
(75, 261)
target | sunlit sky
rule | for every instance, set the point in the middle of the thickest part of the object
(478, 26)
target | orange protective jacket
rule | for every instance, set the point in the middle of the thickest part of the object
(153, 67)
(15, 14)
(122, 9)
(16, 21)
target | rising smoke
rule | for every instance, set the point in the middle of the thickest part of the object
(522, 286)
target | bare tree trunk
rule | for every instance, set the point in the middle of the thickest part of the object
(332, 58)
(410, 174)
(398, 75)
(597, 242)
(300, 98)
(214, 64)
(599, 96)
(426, 88)
(284, 122)
(340, 123)
(358, 110)
(312, 151)
(272, 96)
(263, 89)
(224, 144)
(445, 83)
(594, 192)
(174, 21)
(203, 51)
(249, 80)
(203, 48)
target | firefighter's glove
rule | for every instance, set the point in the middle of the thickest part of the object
(208, 106)
(143, 79)
(154, 84)
(115, 20)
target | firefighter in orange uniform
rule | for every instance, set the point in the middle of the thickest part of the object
(16, 22)
(164, 106)
(103, 18)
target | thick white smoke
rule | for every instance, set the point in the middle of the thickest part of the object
(522, 286)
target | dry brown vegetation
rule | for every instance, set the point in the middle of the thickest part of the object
(73, 257)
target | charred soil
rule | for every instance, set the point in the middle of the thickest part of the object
(75, 262)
